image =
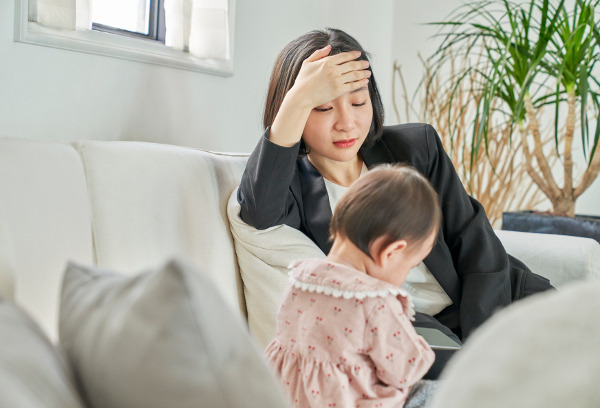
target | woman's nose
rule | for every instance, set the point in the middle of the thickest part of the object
(344, 120)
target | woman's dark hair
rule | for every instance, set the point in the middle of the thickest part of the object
(393, 201)
(288, 64)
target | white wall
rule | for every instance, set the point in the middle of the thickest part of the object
(52, 94)
(412, 36)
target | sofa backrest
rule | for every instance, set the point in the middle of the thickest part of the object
(125, 206)
(152, 201)
(44, 220)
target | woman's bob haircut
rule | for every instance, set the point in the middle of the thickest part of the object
(288, 64)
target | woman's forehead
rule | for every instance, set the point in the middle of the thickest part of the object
(364, 88)
(364, 91)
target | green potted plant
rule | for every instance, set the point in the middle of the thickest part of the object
(494, 177)
(534, 58)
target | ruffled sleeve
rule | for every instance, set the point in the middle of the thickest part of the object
(400, 355)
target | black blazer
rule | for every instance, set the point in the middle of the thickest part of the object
(468, 260)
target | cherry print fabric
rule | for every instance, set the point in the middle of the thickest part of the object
(345, 339)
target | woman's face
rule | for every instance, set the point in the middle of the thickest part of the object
(336, 130)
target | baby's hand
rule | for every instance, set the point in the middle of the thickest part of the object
(323, 78)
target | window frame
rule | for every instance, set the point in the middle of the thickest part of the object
(156, 25)
(120, 46)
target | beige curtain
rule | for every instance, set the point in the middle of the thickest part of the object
(65, 14)
(200, 27)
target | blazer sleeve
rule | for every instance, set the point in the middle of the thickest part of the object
(265, 193)
(479, 258)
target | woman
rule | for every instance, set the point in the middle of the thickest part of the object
(324, 127)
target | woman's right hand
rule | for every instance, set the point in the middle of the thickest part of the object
(322, 78)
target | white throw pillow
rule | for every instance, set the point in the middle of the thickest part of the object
(33, 373)
(264, 257)
(163, 338)
(543, 351)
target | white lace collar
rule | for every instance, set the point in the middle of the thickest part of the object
(334, 279)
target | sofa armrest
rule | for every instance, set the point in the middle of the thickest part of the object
(560, 258)
(7, 263)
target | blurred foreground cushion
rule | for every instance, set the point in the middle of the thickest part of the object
(543, 351)
(162, 338)
(33, 373)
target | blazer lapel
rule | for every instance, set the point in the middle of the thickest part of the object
(379, 153)
(317, 210)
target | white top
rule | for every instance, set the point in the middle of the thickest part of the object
(427, 294)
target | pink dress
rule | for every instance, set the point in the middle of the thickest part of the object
(344, 339)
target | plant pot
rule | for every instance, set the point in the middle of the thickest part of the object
(529, 221)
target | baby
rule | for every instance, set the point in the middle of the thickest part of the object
(344, 334)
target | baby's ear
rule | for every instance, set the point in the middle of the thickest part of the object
(395, 248)
(383, 251)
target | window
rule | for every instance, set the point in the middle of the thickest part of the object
(135, 18)
(199, 40)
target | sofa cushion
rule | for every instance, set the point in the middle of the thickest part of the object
(152, 201)
(162, 338)
(33, 373)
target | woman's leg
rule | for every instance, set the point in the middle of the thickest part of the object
(421, 394)
(441, 356)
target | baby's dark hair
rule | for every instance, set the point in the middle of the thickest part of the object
(394, 201)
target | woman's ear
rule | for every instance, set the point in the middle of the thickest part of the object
(383, 252)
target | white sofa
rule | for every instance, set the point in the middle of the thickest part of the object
(127, 206)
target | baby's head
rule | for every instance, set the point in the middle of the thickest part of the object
(392, 215)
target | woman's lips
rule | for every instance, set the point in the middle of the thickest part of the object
(345, 143)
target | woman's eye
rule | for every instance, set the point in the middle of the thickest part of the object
(360, 104)
(323, 109)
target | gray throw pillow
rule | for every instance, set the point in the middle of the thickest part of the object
(33, 373)
(163, 338)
